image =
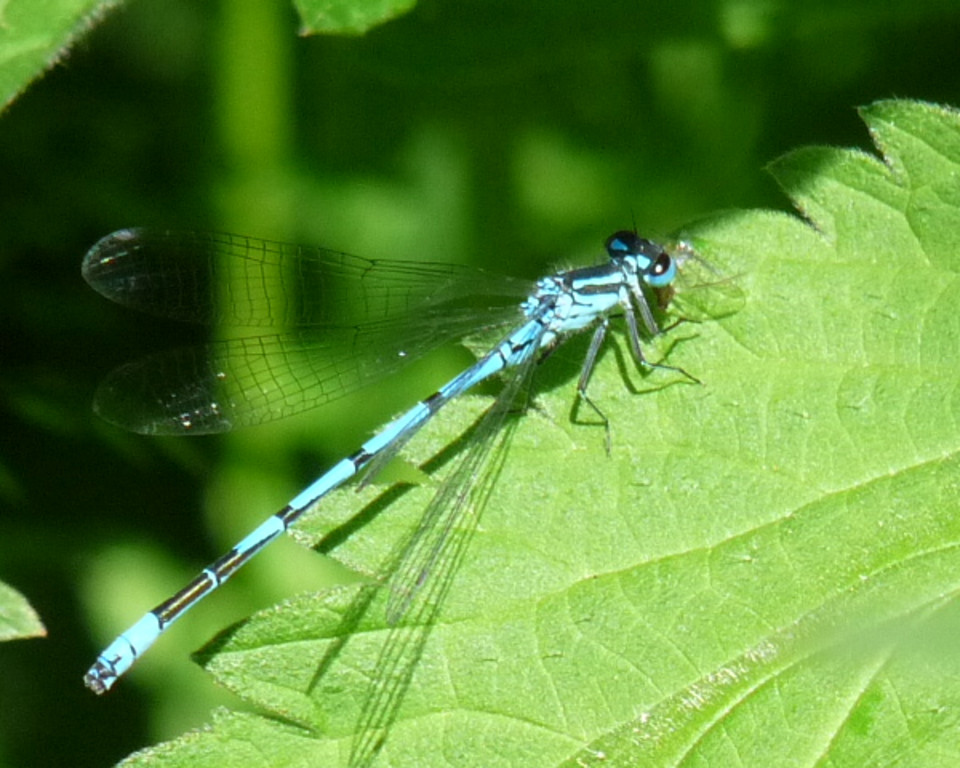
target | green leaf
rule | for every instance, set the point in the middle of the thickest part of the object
(35, 35)
(348, 16)
(17, 619)
(764, 569)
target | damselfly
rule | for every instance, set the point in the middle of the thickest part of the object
(348, 313)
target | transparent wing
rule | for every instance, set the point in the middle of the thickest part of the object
(424, 570)
(375, 317)
(245, 381)
(430, 556)
(701, 292)
(212, 278)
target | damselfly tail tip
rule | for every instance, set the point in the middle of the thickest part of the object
(99, 678)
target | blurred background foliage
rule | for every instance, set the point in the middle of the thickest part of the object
(509, 135)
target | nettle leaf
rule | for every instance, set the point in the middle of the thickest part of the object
(18, 620)
(35, 36)
(764, 569)
(348, 16)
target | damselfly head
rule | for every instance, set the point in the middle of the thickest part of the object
(653, 262)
